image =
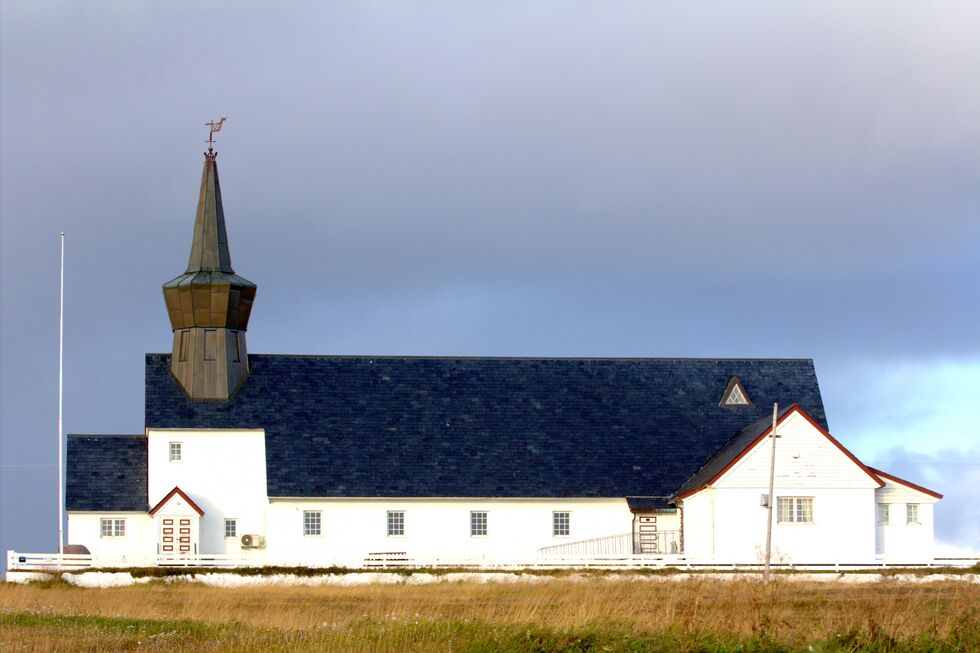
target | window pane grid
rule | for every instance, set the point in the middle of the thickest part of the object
(112, 527)
(478, 523)
(912, 513)
(175, 452)
(231, 528)
(794, 510)
(883, 513)
(311, 522)
(396, 522)
(561, 523)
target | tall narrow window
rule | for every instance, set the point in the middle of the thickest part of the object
(478, 523)
(912, 513)
(210, 344)
(236, 354)
(396, 522)
(183, 346)
(561, 523)
(176, 452)
(883, 513)
(231, 528)
(794, 510)
(311, 522)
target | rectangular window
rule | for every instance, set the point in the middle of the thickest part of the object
(235, 350)
(912, 513)
(183, 346)
(478, 523)
(883, 513)
(311, 522)
(396, 522)
(231, 528)
(210, 344)
(561, 523)
(794, 510)
(176, 452)
(112, 527)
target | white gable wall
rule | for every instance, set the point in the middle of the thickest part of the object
(222, 471)
(899, 541)
(728, 523)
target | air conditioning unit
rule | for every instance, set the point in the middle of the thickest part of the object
(252, 541)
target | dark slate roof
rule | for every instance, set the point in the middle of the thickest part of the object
(106, 472)
(730, 451)
(645, 504)
(485, 427)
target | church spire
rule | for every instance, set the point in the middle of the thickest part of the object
(209, 305)
(209, 249)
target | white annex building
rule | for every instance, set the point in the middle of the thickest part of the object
(345, 460)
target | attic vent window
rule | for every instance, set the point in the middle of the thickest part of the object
(735, 394)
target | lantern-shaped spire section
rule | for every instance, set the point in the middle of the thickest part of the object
(209, 305)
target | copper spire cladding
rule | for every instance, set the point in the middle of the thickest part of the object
(209, 304)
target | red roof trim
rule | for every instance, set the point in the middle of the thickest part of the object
(902, 481)
(170, 496)
(795, 408)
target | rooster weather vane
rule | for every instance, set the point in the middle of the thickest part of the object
(215, 128)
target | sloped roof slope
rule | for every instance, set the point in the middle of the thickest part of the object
(106, 473)
(730, 451)
(362, 426)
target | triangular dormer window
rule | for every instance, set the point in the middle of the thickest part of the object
(735, 394)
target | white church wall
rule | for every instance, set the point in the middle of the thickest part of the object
(904, 538)
(222, 471)
(139, 539)
(435, 529)
(727, 522)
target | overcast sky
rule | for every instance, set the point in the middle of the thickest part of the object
(503, 178)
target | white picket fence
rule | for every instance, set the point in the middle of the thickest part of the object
(18, 561)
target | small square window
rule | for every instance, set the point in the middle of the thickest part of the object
(176, 452)
(311, 522)
(912, 513)
(231, 528)
(478, 523)
(396, 522)
(884, 513)
(561, 523)
(112, 527)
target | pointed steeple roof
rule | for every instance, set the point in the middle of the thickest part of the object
(209, 250)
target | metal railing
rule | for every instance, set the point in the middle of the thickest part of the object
(627, 544)
(17, 561)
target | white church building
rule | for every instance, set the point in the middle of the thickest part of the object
(346, 460)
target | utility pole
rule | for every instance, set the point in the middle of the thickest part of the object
(772, 476)
(61, 338)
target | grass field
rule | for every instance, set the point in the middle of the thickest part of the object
(562, 614)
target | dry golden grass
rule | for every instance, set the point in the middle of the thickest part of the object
(559, 614)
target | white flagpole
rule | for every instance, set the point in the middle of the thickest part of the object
(61, 338)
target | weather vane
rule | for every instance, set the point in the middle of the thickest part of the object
(215, 128)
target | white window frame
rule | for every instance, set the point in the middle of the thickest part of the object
(312, 523)
(561, 523)
(395, 523)
(912, 514)
(233, 522)
(479, 523)
(112, 527)
(175, 452)
(883, 513)
(794, 510)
